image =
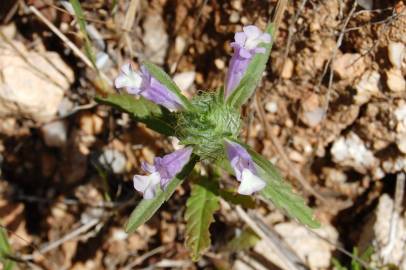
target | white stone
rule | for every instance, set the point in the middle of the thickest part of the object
(401, 142)
(396, 82)
(271, 107)
(55, 134)
(315, 252)
(352, 151)
(114, 160)
(367, 86)
(185, 79)
(396, 53)
(155, 38)
(313, 118)
(32, 84)
(388, 233)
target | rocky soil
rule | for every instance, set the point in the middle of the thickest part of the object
(330, 113)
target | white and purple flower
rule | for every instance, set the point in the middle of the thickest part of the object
(161, 172)
(244, 169)
(143, 84)
(246, 45)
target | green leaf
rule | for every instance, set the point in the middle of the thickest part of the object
(253, 75)
(246, 240)
(5, 250)
(200, 207)
(280, 192)
(147, 208)
(155, 117)
(159, 74)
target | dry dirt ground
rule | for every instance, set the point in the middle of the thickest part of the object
(330, 113)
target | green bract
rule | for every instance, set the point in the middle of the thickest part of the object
(205, 127)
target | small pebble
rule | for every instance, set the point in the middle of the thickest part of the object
(114, 160)
(55, 134)
(271, 107)
(396, 53)
(234, 17)
(219, 63)
(396, 82)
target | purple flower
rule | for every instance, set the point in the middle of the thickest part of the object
(143, 84)
(246, 45)
(161, 172)
(244, 169)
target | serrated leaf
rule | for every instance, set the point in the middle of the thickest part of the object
(5, 250)
(160, 75)
(147, 208)
(247, 239)
(155, 117)
(252, 75)
(200, 207)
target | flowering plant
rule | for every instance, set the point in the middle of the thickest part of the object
(208, 126)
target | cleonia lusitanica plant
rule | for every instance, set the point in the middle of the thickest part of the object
(208, 128)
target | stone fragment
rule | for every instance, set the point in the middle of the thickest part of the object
(113, 160)
(55, 133)
(32, 84)
(316, 253)
(312, 112)
(234, 17)
(351, 151)
(395, 80)
(396, 53)
(287, 69)
(367, 86)
(184, 80)
(155, 38)
(349, 65)
(271, 107)
(385, 229)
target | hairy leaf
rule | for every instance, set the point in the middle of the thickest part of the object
(155, 117)
(200, 207)
(147, 208)
(252, 75)
(159, 74)
(5, 250)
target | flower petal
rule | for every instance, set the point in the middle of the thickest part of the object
(172, 164)
(240, 38)
(252, 31)
(129, 79)
(147, 184)
(250, 183)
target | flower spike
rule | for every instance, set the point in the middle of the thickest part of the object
(143, 84)
(161, 172)
(244, 169)
(246, 45)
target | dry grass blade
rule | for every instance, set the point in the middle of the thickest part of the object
(128, 22)
(281, 249)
